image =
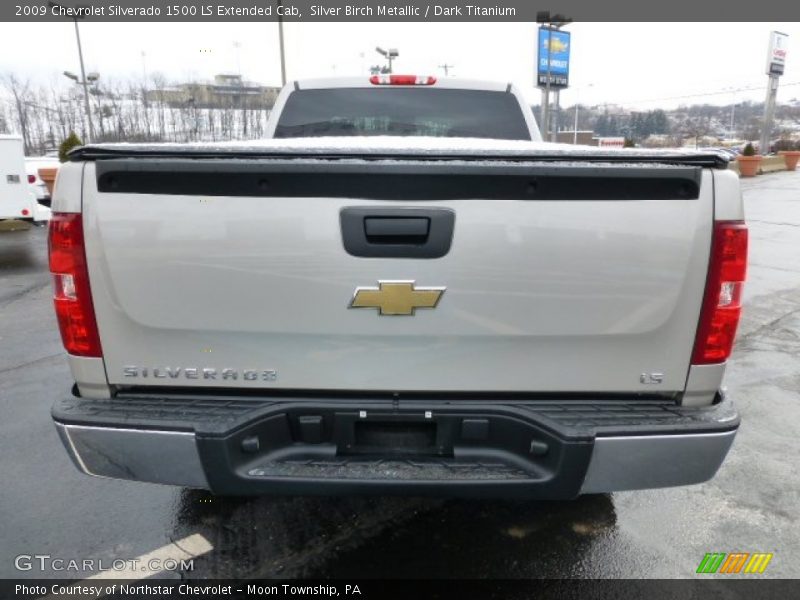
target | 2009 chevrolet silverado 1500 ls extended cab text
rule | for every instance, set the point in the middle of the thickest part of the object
(430, 313)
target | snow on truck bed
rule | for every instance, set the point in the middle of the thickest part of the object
(406, 147)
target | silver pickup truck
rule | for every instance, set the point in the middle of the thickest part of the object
(402, 290)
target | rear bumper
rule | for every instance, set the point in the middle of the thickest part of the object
(531, 449)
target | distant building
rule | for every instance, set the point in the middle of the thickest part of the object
(226, 91)
(589, 138)
(614, 109)
(585, 138)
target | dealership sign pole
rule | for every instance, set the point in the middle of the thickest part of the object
(546, 103)
(552, 70)
(776, 61)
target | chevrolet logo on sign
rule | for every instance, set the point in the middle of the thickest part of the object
(396, 297)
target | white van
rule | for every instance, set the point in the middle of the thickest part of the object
(17, 199)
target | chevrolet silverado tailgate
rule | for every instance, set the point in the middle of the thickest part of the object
(570, 275)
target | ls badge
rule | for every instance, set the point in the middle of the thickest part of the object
(396, 297)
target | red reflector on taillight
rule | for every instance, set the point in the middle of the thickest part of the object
(722, 307)
(71, 293)
(31, 178)
(402, 80)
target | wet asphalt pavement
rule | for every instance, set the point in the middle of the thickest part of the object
(752, 505)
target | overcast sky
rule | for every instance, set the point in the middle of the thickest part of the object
(639, 65)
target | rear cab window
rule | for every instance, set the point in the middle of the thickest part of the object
(402, 111)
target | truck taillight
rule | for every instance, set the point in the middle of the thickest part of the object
(722, 305)
(402, 80)
(71, 293)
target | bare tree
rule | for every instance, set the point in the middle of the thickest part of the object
(20, 91)
(696, 126)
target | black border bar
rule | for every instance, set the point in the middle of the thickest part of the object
(442, 11)
(700, 586)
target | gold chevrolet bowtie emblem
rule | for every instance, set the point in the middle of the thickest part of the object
(396, 297)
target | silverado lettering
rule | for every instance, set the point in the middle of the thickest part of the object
(198, 373)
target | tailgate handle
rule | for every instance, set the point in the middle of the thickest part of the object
(397, 230)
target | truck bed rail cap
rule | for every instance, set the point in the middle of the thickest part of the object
(418, 148)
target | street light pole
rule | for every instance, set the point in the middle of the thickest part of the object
(85, 84)
(389, 55)
(280, 42)
(577, 103)
(238, 46)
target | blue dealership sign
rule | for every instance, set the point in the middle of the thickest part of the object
(554, 48)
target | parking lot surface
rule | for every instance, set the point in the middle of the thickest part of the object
(48, 508)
